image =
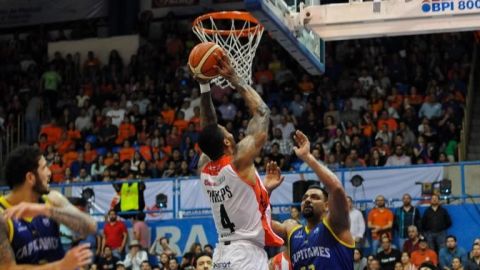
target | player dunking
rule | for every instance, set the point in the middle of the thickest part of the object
(239, 200)
(325, 243)
(30, 218)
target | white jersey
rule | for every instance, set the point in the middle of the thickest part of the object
(241, 210)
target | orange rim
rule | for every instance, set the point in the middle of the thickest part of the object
(229, 15)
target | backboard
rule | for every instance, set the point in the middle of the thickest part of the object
(303, 28)
(302, 43)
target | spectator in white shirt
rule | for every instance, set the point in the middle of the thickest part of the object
(135, 256)
(398, 158)
(83, 122)
(365, 80)
(117, 114)
(357, 223)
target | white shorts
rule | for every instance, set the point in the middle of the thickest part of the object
(239, 255)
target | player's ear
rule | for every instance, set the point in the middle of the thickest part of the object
(30, 178)
(226, 142)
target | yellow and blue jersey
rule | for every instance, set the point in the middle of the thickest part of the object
(319, 249)
(33, 241)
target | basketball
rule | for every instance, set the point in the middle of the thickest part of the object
(201, 60)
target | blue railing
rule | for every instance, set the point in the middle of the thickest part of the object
(463, 176)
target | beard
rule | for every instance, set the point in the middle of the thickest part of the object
(39, 187)
(307, 212)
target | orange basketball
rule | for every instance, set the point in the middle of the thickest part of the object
(201, 60)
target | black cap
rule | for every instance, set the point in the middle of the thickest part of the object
(427, 266)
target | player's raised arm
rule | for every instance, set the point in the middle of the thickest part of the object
(208, 116)
(338, 214)
(256, 133)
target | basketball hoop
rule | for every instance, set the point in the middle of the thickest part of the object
(238, 33)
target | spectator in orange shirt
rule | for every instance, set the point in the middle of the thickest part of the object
(70, 156)
(126, 131)
(146, 152)
(53, 131)
(167, 113)
(380, 221)
(109, 160)
(126, 152)
(89, 154)
(386, 119)
(73, 134)
(57, 169)
(414, 98)
(63, 145)
(180, 123)
(376, 103)
(424, 253)
(395, 99)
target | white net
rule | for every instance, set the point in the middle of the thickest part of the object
(238, 37)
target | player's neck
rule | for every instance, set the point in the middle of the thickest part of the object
(312, 222)
(22, 195)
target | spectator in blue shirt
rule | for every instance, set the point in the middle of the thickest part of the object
(450, 251)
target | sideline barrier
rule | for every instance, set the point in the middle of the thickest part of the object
(185, 197)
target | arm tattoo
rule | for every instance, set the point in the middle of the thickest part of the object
(75, 220)
(6, 254)
(208, 116)
(260, 120)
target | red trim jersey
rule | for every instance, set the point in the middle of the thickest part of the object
(241, 211)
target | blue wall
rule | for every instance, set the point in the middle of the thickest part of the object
(184, 232)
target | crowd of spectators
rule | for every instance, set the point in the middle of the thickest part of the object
(381, 102)
(404, 239)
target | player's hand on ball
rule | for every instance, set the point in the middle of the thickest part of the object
(273, 178)
(78, 256)
(25, 210)
(302, 150)
(225, 68)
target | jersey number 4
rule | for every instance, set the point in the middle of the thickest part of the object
(226, 223)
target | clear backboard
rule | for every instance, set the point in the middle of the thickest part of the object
(302, 43)
(302, 28)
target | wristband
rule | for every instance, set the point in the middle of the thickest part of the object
(204, 88)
